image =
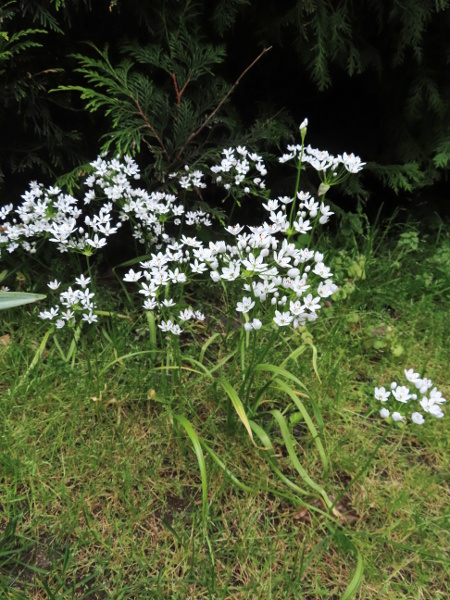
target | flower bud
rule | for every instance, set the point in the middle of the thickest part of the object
(303, 128)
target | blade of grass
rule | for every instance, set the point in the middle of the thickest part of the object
(312, 428)
(225, 469)
(238, 406)
(200, 459)
(40, 351)
(271, 459)
(287, 438)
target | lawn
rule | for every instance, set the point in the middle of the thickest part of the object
(128, 472)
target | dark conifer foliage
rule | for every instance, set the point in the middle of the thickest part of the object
(155, 79)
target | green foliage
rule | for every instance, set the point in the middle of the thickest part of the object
(401, 49)
(139, 500)
(13, 299)
(167, 100)
(406, 177)
(33, 135)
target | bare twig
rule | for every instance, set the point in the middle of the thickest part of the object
(150, 126)
(194, 134)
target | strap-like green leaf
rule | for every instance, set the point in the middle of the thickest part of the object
(13, 299)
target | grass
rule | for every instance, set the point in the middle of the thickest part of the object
(101, 494)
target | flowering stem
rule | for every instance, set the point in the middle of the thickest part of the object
(88, 263)
(297, 185)
(151, 328)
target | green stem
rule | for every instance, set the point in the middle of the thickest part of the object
(151, 328)
(297, 185)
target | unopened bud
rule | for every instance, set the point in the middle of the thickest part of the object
(303, 128)
(323, 188)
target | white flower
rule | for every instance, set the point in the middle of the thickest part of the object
(397, 416)
(401, 394)
(381, 394)
(352, 163)
(234, 229)
(417, 418)
(246, 305)
(411, 376)
(186, 315)
(384, 413)
(436, 396)
(133, 276)
(256, 323)
(423, 385)
(90, 317)
(311, 303)
(54, 285)
(283, 319)
(49, 314)
(83, 281)
(321, 270)
(165, 325)
(150, 304)
(168, 303)
(430, 407)
(326, 213)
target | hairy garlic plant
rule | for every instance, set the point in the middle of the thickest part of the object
(267, 279)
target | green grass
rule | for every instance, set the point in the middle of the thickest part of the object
(101, 493)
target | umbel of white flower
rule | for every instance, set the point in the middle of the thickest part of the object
(403, 401)
(281, 283)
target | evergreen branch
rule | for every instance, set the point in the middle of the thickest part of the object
(178, 92)
(150, 126)
(194, 134)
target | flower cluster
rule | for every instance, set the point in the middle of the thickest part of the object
(401, 395)
(279, 282)
(321, 160)
(238, 167)
(84, 225)
(73, 302)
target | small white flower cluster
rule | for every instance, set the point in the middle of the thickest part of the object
(430, 404)
(274, 274)
(62, 219)
(190, 180)
(321, 160)
(236, 168)
(73, 302)
(281, 283)
(53, 215)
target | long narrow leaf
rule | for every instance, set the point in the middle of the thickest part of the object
(312, 428)
(346, 546)
(356, 581)
(13, 299)
(40, 350)
(294, 458)
(271, 459)
(238, 406)
(206, 346)
(280, 371)
(201, 461)
(225, 469)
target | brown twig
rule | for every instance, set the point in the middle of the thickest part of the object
(178, 92)
(150, 126)
(194, 134)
